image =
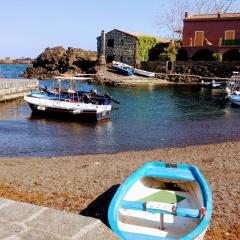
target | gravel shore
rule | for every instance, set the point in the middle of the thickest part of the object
(85, 184)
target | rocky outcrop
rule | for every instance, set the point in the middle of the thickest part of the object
(57, 60)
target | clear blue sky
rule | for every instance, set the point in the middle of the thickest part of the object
(28, 26)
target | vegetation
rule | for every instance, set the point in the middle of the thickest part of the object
(169, 53)
(217, 57)
(145, 43)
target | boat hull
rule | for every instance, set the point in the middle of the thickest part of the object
(235, 100)
(178, 195)
(143, 73)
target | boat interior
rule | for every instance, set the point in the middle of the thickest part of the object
(161, 207)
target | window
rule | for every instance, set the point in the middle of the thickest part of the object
(122, 41)
(121, 59)
(229, 34)
(198, 39)
(110, 43)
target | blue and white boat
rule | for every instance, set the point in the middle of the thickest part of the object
(69, 102)
(162, 201)
(123, 68)
(235, 98)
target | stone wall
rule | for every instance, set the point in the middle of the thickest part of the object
(205, 69)
(124, 47)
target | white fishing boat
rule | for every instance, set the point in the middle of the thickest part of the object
(143, 73)
(162, 201)
(212, 84)
(62, 102)
(232, 86)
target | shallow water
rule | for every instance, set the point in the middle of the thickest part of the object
(147, 118)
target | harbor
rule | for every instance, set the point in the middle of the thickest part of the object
(122, 125)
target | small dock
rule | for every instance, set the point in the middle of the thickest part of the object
(14, 88)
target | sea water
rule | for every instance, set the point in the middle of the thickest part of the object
(147, 118)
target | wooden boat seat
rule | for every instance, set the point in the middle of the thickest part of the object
(179, 211)
(171, 173)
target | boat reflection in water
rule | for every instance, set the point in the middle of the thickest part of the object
(68, 102)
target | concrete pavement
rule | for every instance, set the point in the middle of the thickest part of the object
(24, 221)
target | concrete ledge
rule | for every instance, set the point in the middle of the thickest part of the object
(20, 221)
(13, 88)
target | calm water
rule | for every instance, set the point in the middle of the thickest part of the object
(12, 70)
(147, 118)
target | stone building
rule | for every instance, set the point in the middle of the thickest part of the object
(204, 35)
(122, 46)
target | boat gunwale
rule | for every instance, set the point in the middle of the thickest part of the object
(121, 192)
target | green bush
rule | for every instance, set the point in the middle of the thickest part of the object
(169, 53)
(217, 57)
(145, 43)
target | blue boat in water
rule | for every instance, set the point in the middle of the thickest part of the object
(162, 201)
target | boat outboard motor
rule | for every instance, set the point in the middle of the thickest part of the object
(110, 98)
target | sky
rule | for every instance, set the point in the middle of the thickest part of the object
(27, 27)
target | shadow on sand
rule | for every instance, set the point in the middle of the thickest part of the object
(99, 207)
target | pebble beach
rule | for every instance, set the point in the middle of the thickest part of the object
(85, 184)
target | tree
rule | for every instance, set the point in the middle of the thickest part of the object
(170, 53)
(171, 17)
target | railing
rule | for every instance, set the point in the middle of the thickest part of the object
(235, 42)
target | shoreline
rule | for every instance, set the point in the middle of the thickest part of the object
(82, 183)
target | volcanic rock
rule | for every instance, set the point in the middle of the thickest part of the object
(57, 60)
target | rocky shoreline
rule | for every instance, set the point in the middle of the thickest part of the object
(72, 61)
(85, 184)
(58, 60)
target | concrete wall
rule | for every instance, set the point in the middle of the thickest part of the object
(11, 89)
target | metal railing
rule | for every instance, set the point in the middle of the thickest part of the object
(235, 42)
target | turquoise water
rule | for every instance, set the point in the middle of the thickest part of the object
(147, 118)
(12, 70)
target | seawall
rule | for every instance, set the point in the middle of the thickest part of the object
(14, 88)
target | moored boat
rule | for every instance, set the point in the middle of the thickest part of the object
(212, 84)
(123, 68)
(162, 201)
(232, 87)
(143, 73)
(235, 99)
(62, 102)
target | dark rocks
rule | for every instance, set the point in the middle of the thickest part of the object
(57, 60)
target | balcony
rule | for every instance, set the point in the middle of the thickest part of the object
(228, 43)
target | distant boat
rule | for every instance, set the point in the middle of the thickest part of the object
(162, 201)
(123, 68)
(143, 73)
(212, 84)
(232, 86)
